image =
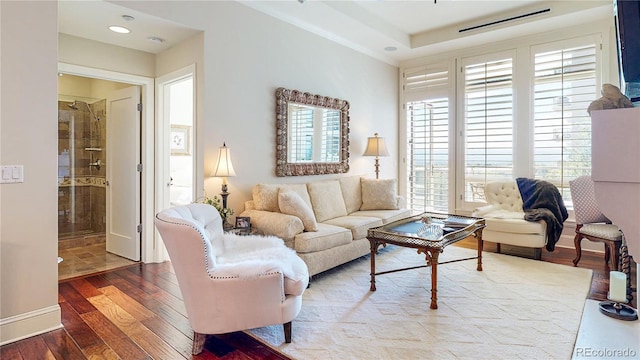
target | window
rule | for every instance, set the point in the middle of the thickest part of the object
(565, 83)
(488, 124)
(427, 127)
(428, 155)
(517, 112)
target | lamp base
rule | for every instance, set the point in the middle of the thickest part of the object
(226, 226)
(618, 311)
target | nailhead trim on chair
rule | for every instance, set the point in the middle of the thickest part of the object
(204, 243)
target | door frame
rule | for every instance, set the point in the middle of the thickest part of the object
(163, 152)
(152, 249)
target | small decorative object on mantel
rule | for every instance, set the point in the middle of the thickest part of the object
(612, 98)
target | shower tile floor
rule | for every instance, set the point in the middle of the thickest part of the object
(88, 259)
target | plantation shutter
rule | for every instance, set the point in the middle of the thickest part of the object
(565, 84)
(330, 136)
(300, 134)
(488, 116)
(426, 92)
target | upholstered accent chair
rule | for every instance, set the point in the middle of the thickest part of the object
(591, 223)
(504, 217)
(230, 282)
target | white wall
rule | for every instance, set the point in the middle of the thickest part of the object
(78, 51)
(28, 137)
(242, 69)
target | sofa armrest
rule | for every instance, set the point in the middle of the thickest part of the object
(283, 226)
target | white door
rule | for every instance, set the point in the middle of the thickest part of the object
(175, 152)
(123, 177)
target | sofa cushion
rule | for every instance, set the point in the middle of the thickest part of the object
(327, 237)
(379, 194)
(386, 216)
(326, 198)
(351, 193)
(301, 190)
(515, 226)
(265, 196)
(291, 203)
(359, 225)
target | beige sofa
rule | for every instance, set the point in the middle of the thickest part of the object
(326, 222)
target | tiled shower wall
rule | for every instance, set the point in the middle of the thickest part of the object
(81, 187)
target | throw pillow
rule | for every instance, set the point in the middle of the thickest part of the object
(265, 197)
(351, 192)
(326, 198)
(379, 194)
(292, 204)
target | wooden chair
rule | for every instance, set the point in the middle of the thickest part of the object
(592, 224)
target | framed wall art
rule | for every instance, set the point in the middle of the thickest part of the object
(180, 140)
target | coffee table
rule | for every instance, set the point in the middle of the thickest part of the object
(405, 233)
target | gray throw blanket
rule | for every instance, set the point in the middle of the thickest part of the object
(542, 201)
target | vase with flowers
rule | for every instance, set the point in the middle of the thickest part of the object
(224, 212)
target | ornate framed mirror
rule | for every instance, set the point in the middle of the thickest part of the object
(312, 134)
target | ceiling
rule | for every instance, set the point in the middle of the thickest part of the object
(91, 20)
(389, 30)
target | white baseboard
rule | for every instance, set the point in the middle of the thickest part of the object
(29, 324)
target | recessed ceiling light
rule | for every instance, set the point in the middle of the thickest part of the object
(128, 18)
(390, 48)
(119, 29)
(155, 39)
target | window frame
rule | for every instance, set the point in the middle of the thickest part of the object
(524, 67)
(460, 182)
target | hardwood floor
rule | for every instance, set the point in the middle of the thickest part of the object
(136, 312)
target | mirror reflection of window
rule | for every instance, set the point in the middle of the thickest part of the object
(300, 133)
(314, 134)
(330, 136)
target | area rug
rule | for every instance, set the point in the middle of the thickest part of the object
(515, 309)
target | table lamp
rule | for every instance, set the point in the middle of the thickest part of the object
(224, 168)
(376, 146)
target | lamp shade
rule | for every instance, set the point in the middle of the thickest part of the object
(376, 146)
(224, 167)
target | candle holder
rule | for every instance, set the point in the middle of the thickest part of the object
(618, 310)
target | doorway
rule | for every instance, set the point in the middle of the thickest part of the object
(83, 148)
(152, 249)
(176, 124)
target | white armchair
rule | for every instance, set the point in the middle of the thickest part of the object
(228, 282)
(504, 217)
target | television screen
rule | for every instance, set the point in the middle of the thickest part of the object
(627, 16)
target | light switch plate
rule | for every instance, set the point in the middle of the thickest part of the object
(12, 174)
